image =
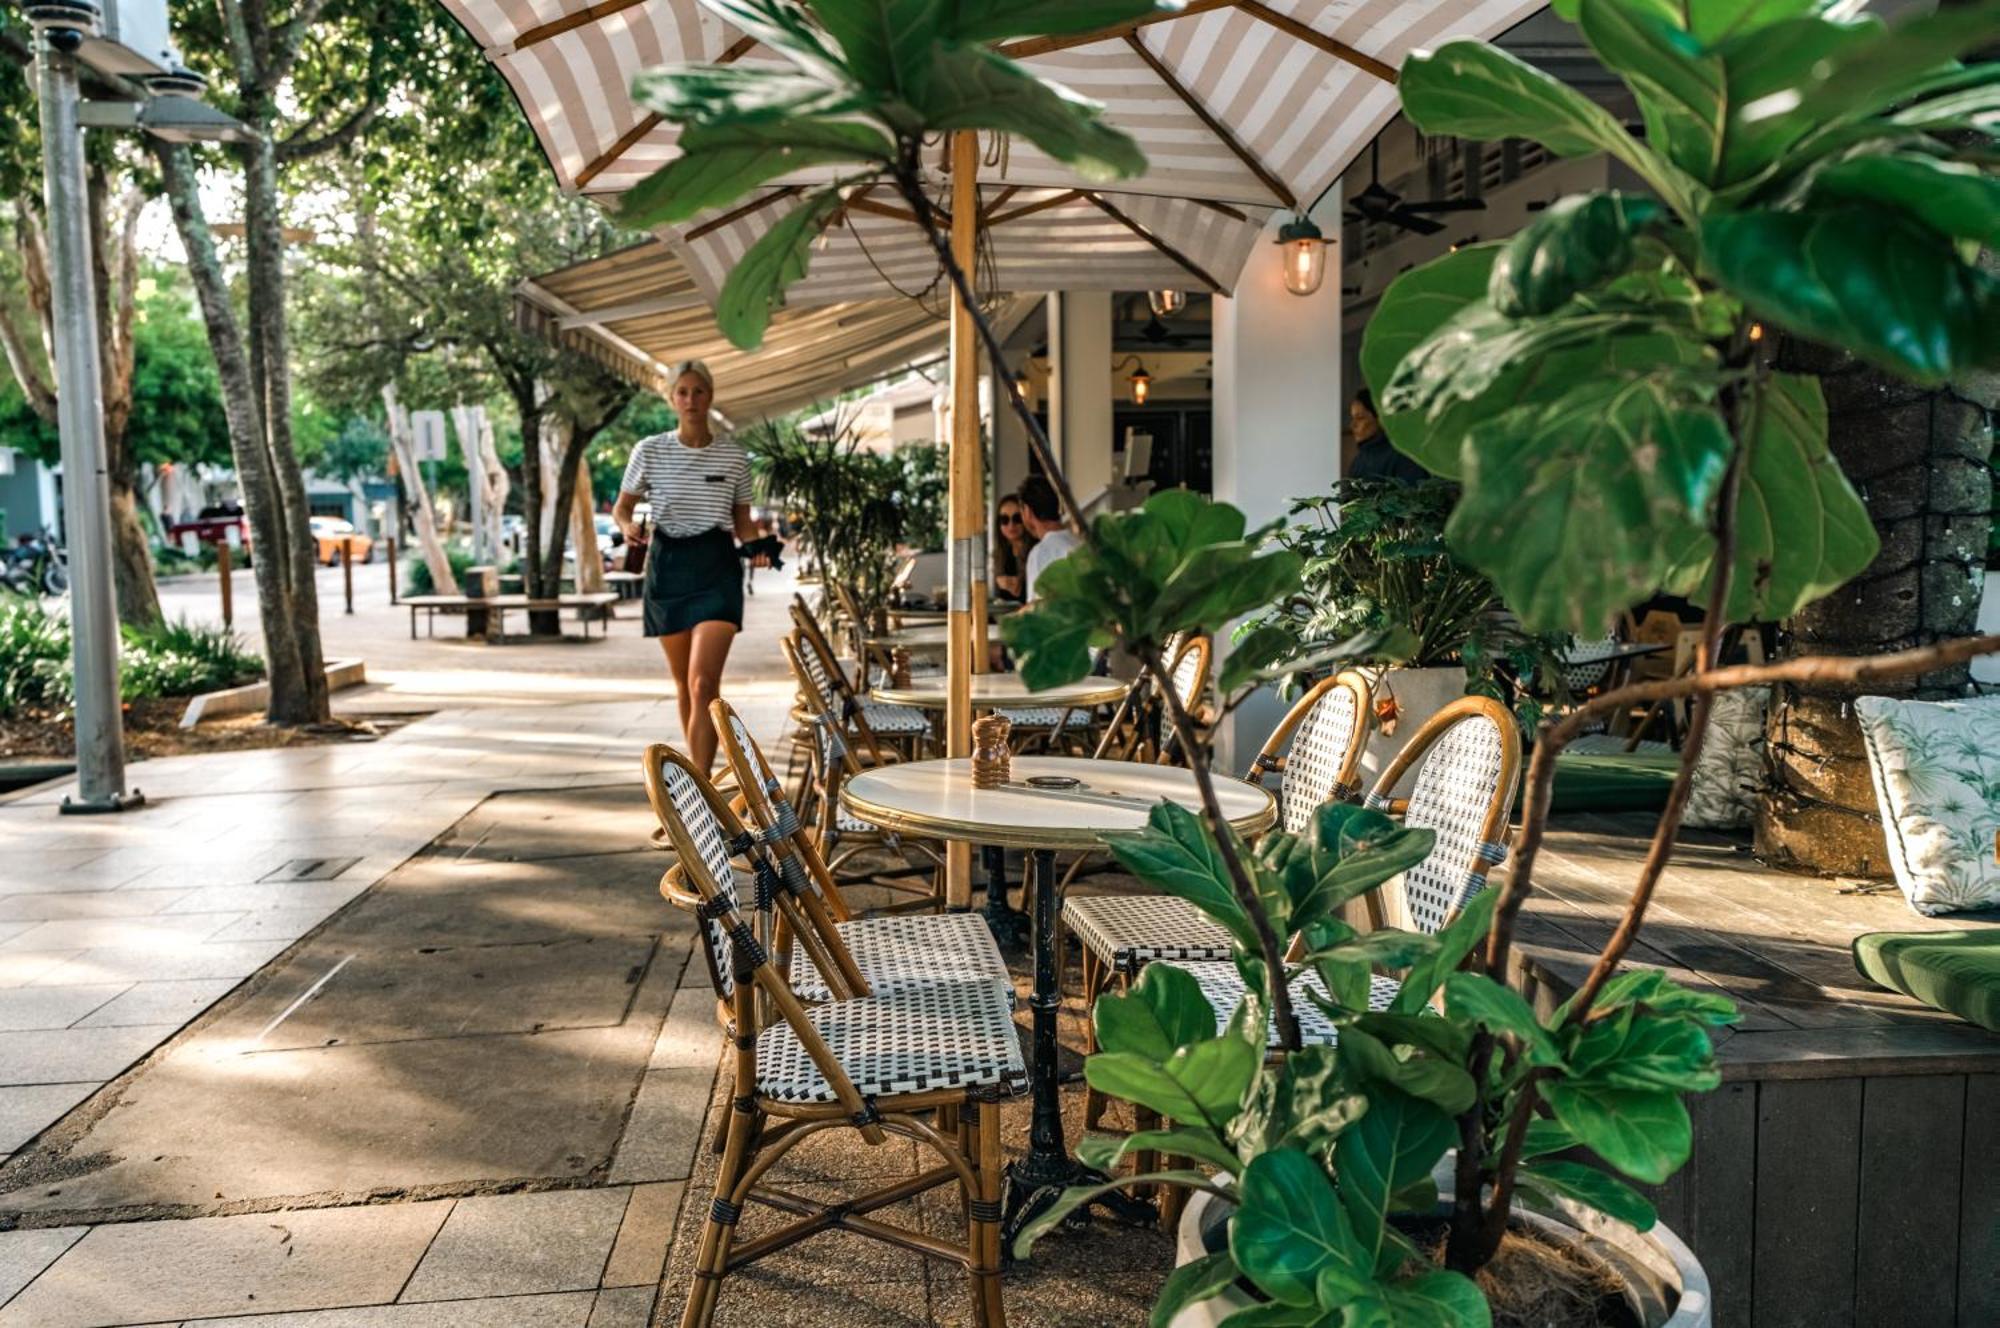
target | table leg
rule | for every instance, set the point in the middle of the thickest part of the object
(1008, 925)
(1037, 1180)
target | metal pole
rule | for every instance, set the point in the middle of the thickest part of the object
(226, 576)
(100, 735)
(392, 568)
(347, 568)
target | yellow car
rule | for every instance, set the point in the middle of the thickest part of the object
(330, 532)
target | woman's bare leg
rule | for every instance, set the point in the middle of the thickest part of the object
(677, 649)
(705, 663)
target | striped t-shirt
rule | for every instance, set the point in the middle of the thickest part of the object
(691, 489)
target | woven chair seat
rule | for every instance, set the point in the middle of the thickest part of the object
(959, 1035)
(1610, 744)
(887, 717)
(1223, 986)
(1129, 931)
(900, 954)
(1046, 717)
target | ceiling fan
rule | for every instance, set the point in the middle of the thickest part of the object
(1379, 203)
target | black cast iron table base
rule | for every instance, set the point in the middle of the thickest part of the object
(1036, 1181)
(1009, 925)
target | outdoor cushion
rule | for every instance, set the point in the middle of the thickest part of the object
(1223, 986)
(1046, 717)
(1730, 768)
(948, 1036)
(888, 717)
(899, 954)
(1936, 767)
(1625, 782)
(1954, 971)
(1126, 931)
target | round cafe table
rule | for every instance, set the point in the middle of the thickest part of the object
(992, 691)
(932, 637)
(995, 608)
(936, 799)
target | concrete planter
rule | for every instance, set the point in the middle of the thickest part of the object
(1419, 694)
(1663, 1282)
(252, 697)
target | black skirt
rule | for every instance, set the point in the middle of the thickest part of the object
(693, 580)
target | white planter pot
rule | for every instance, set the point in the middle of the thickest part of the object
(1419, 694)
(1987, 667)
(1663, 1281)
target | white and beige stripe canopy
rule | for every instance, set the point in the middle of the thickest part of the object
(1241, 106)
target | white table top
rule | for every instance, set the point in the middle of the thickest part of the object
(1005, 689)
(933, 637)
(936, 798)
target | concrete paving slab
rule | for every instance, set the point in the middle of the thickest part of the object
(26, 1110)
(18, 970)
(70, 1055)
(53, 1007)
(643, 1235)
(276, 924)
(665, 1126)
(90, 904)
(149, 1272)
(152, 1002)
(147, 934)
(516, 1244)
(624, 1307)
(24, 1254)
(325, 896)
(209, 959)
(691, 1036)
(562, 1310)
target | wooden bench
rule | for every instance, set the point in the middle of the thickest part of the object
(594, 607)
(1844, 1171)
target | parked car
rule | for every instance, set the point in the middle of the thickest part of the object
(329, 532)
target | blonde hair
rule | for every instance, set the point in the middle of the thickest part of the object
(695, 367)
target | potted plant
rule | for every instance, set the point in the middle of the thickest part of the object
(850, 501)
(1595, 386)
(1376, 566)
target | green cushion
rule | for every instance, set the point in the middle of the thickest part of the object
(1954, 971)
(1629, 782)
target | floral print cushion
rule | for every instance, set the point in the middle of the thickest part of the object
(1730, 769)
(1936, 766)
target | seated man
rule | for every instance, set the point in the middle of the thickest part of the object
(1053, 536)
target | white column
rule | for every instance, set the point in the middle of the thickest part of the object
(1279, 406)
(1080, 389)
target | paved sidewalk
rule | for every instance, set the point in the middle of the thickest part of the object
(192, 922)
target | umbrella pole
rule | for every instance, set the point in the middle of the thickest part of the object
(966, 651)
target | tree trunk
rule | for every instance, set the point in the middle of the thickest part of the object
(418, 498)
(1919, 458)
(285, 665)
(559, 453)
(589, 557)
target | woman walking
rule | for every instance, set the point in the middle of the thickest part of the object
(698, 487)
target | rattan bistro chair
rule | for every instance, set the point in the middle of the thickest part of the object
(892, 954)
(1315, 751)
(1468, 762)
(841, 836)
(865, 721)
(931, 1065)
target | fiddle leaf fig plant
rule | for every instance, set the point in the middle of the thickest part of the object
(1595, 381)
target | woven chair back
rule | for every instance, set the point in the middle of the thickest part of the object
(1468, 763)
(800, 864)
(1316, 748)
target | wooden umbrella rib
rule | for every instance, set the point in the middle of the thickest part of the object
(1334, 47)
(738, 213)
(1223, 208)
(1215, 126)
(1063, 199)
(986, 213)
(647, 122)
(1155, 241)
(1031, 46)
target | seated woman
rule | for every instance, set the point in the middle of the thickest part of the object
(1011, 545)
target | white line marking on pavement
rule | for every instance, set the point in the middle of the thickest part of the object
(292, 1009)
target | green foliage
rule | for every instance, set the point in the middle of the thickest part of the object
(1180, 563)
(1594, 380)
(925, 490)
(166, 659)
(417, 572)
(853, 506)
(868, 81)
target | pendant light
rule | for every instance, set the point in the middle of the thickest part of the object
(1304, 255)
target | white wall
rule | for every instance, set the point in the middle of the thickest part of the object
(1080, 390)
(1279, 407)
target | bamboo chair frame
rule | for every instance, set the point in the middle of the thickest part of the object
(964, 1130)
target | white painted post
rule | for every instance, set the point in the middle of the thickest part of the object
(1279, 408)
(1080, 389)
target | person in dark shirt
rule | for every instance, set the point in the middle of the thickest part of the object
(1376, 458)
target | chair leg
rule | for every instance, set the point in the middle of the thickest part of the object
(1094, 982)
(1145, 1160)
(984, 1233)
(719, 1230)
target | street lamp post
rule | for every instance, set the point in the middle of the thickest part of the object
(100, 730)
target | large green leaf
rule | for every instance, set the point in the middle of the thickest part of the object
(1636, 1049)
(733, 94)
(720, 163)
(783, 26)
(1801, 530)
(886, 43)
(1201, 1083)
(1952, 198)
(1177, 853)
(1164, 1011)
(1052, 640)
(1459, 938)
(1644, 1134)
(1652, 988)
(1500, 1009)
(1435, 1299)
(1579, 508)
(1974, 107)
(1766, 68)
(1191, 1282)
(1575, 244)
(780, 257)
(1713, 21)
(970, 87)
(1867, 77)
(1302, 1102)
(1417, 304)
(1682, 89)
(1391, 1148)
(995, 20)
(1351, 852)
(1366, 1057)
(1077, 1196)
(1290, 1228)
(1587, 1185)
(1105, 1152)
(1475, 90)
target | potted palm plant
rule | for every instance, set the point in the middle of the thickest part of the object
(1595, 386)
